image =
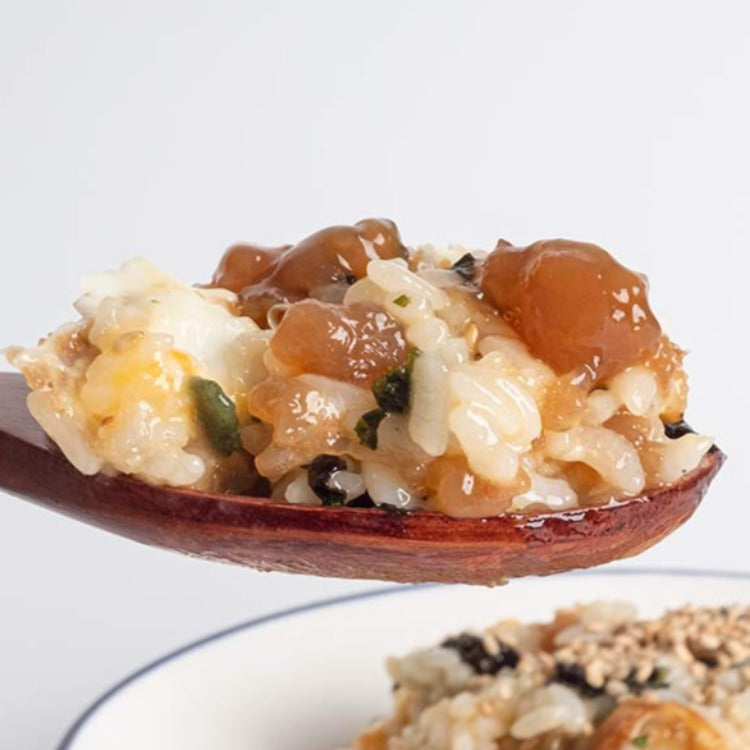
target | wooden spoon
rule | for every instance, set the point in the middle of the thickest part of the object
(336, 542)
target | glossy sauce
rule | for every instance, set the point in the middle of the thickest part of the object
(638, 431)
(355, 343)
(572, 304)
(457, 491)
(576, 308)
(666, 363)
(305, 423)
(321, 266)
(245, 264)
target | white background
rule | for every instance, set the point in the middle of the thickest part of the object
(173, 129)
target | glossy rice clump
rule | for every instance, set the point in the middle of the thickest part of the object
(349, 368)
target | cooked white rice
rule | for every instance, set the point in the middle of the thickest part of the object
(110, 390)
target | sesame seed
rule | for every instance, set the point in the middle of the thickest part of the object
(491, 645)
(687, 653)
(709, 641)
(595, 673)
(471, 335)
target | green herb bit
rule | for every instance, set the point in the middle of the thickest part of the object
(659, 677)
(402, 300)
(411, 357)
(392, 390)
(367, 427)
(217, 415)
(640, 741)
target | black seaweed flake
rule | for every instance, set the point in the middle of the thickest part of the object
(392, 392)
(465, 267)
(675, 430)
(319, 474)
(574, 676)
(363, 501)
(472, 652)
(710, 661)
(367, 427)
(655, 681)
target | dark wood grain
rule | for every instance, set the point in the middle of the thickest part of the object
(340, 542)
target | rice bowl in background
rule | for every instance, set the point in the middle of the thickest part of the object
(234, 690)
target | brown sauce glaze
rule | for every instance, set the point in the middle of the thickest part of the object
(457, 490)
(245, 264)
(574, 305)
(320, 266)
(355, 343)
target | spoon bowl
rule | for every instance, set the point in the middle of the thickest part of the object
(336, 542)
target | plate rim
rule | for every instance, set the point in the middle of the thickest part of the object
(98, 703)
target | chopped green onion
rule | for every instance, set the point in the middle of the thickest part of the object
(658, 677)
(640, 741)
(367, 427)
(402, 300)
(216, 414)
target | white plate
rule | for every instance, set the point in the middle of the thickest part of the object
(309, 679)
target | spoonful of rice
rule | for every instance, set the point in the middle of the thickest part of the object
(351, 407)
